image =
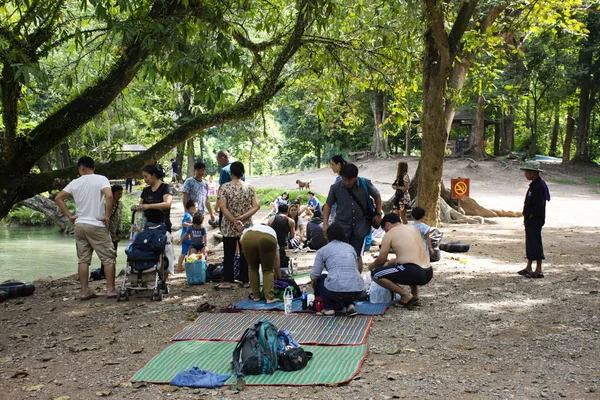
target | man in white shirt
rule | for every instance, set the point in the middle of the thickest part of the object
(93, 200)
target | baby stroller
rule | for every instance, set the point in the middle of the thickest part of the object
(146, 260)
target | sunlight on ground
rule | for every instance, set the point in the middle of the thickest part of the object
(518, 305)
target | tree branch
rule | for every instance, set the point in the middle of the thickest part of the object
(438, 30)
(460, 25)
(37, 183)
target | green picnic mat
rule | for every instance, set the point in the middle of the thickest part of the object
(329, 365)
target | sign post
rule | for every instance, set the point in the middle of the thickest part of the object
(460, 188)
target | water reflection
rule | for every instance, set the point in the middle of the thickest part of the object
(30, 253)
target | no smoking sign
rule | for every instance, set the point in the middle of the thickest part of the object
(460, 188)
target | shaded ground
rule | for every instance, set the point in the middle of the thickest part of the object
(481, 330)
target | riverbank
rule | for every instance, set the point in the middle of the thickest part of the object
(481, 331)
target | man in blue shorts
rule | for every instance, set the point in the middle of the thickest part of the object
(411, 265)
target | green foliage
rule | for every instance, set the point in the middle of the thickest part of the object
(127, 200)
(565, 181)
(266, 196)
(592, 180)
(26, 216)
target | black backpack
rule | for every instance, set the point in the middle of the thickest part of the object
(258, 350)
(293, 359)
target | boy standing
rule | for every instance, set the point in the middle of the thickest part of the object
(186, 222)
(197, 234)
(418, 214)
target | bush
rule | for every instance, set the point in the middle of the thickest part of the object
(267, 196)
(128, 200)
(26, 216)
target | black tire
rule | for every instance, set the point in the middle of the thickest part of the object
(17, 289)
(455, 247)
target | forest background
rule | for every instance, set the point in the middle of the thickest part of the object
(283, 86)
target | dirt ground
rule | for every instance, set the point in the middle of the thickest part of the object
(481, 331)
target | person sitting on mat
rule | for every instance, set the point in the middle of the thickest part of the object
(343, 284)
(260, 248)
(411, 265)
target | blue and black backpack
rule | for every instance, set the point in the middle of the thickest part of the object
(257, 349)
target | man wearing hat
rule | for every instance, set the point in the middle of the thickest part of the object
(534, 215)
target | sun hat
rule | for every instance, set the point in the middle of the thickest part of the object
(532, 165)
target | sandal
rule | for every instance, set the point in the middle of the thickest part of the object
(231, 309)
(535, 275)
(351, 311)
(524, 272)
(205, 307)
(323, 313)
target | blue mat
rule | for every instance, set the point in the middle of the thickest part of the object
(263, 306)
(362, 307)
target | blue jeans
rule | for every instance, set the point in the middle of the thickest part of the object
(333, 300)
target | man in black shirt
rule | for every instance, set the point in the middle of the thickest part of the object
(534, 216)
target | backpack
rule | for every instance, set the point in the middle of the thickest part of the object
(290, 356)
(258, 350)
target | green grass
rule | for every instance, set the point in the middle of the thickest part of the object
(592, 180)
(565, 181)
(595, 191)
(267, 195)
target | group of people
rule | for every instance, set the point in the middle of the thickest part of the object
(338, 232)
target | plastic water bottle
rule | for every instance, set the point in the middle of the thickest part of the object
(304, 298)
(288, 298)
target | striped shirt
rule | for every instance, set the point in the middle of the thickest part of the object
(340, 260)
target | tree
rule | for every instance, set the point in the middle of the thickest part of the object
(204, 45)
(448, 56)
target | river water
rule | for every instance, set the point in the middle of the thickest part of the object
(30, 253)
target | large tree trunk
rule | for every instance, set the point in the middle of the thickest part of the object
(191, 157)
(50, 210)
(585, 94)
(63, 158)
(477, 136)
(407, 140)
(379, 145)
(566, 157)
(555, 131)
(508, 141)
(435, 131)
(179, 158)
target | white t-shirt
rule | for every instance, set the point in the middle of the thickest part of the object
(89, 199)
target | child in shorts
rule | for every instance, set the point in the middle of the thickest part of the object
(418, 214)
(197, 234)
(186, 222)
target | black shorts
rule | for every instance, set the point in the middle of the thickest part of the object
(197, 248)
(404, 274)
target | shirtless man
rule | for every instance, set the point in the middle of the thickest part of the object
(411, 265)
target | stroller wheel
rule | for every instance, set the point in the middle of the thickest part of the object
(127, 293)
(118, 296)
(157, 296)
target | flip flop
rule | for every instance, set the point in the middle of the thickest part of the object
(205, 307)
(91, 296)
(324, 314)
(535, 275)
(352, 313)
(524, 272)
(231, 309)
(413, 302)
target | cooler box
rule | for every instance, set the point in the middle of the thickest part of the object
(195, 272)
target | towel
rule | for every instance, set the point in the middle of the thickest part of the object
(199, 378)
